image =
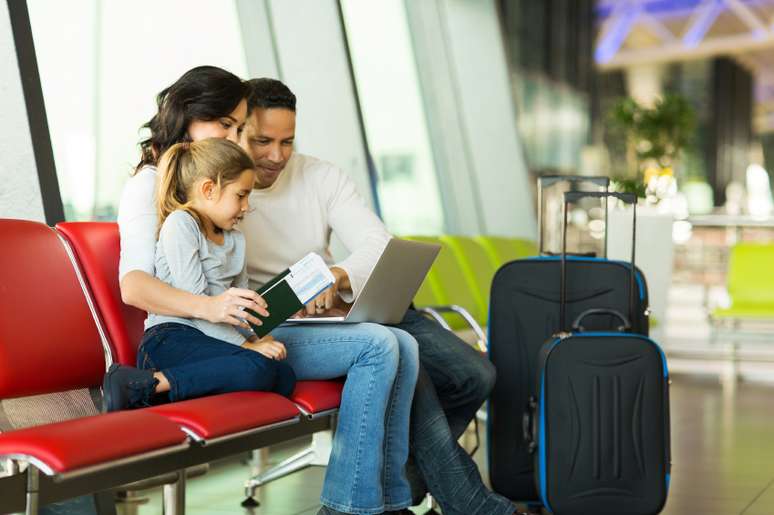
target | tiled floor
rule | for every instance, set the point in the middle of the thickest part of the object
(723, 454)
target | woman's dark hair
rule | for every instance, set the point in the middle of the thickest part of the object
(202, 93)
(269, 94)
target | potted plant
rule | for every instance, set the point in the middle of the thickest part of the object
(655, 138)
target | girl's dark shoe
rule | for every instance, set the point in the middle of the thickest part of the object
(127, 387)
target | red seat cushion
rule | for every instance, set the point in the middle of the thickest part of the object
(318, 396)
(97, 247)
(228, 413)
(48, 337)
(78, 443)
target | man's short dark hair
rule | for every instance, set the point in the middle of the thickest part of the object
(268, 93)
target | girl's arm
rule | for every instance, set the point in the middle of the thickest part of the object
(241, 281)
(137, 222)
(180, 239)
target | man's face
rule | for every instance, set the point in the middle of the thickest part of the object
(268, 139)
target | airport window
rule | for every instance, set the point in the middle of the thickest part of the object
(101, 65)
(394, 117)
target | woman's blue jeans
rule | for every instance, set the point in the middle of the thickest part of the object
(366, 471)
(196, 364)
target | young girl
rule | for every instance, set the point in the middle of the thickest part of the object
(202, 194)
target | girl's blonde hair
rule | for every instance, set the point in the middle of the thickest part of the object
(185, 163)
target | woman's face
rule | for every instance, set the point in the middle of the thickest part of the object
(227, 127)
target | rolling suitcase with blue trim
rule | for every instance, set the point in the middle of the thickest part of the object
(524, 312)
(600, 421)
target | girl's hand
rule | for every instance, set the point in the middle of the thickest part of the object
(229, 306)
(268, 346)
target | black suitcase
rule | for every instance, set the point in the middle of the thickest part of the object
(524, 312)
(600, 421)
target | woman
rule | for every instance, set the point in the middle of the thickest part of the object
(365, 474)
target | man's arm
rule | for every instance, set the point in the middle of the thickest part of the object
(359, 229)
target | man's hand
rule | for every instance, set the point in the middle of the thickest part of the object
(229, 306)
(329, 298)
(267, 346)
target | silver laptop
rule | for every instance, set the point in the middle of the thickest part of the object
(389, 289)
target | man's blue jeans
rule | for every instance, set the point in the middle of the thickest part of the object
(366, 471)
(454, 380)
(196, 364)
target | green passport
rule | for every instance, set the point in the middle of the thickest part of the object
(282, 304)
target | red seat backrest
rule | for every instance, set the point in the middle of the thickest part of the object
(97, 247)
(49, 341)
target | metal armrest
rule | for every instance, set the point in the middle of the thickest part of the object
(435, 313)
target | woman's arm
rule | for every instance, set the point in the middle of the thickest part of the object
(145, 292)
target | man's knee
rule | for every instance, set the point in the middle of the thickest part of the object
(382, 346)
(485, 376)
(408, 348)
(473, 381)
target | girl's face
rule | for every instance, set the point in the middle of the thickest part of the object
(227, 127)
(226, 206)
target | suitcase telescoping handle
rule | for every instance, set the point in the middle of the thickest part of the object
(570, 198)
(575, 182)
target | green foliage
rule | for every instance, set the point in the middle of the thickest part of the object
(656, 133)
(655, 136)
(628, 185)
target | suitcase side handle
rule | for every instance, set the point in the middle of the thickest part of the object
(529, 424)
(625, 325)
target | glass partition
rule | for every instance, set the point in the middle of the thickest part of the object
(394, 116)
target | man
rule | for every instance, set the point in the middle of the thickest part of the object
(297, 203)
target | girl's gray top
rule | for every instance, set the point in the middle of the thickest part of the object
(187, 260)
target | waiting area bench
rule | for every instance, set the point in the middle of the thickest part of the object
(62, 323)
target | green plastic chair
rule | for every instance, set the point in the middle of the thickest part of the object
(426, 296)
(447, 286)
(502, 250)
(526, 248)
(750, 282)
(477, 268)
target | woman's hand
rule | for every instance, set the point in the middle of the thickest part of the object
(330, 297)
(267, 346)
(229, 307)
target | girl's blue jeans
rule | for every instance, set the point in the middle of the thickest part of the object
(196, 364)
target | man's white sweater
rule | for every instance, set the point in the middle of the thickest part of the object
(297, 214)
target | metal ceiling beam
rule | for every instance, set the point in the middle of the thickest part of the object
(656, 27)
(744, 13)
(701, 21)
(616, 30)
(728, 45)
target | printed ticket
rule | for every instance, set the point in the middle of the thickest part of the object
(309, 276)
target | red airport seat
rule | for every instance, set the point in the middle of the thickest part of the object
(63, 447)
(96, 247)
(50, 343)
(315, 398)
(227, 414)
